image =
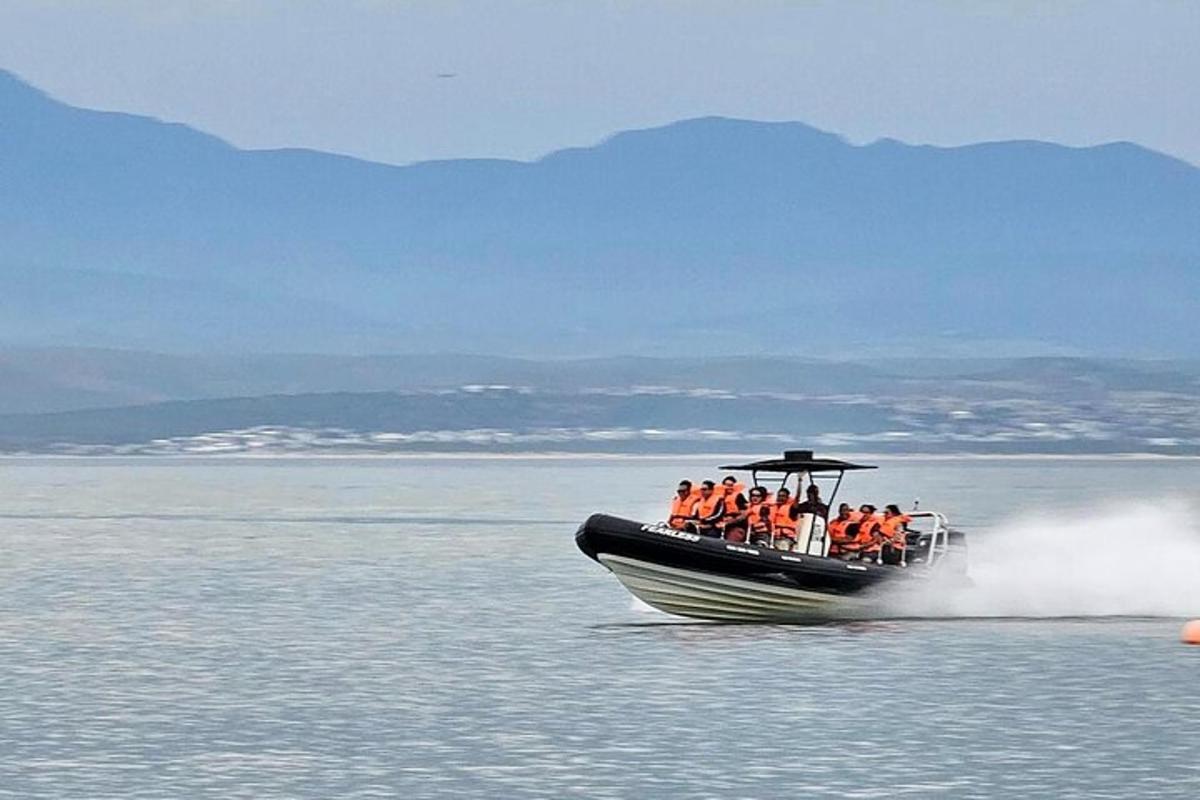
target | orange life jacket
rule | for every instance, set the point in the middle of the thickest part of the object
(682, 509)
(731, 505)
(892, 529)
(759, 522)
(867, 529)
(781, 520)
(840, 537)
(708, 507)
(837, 530)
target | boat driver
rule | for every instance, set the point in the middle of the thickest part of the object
(813, 504)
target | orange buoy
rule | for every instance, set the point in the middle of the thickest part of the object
(1191, 632)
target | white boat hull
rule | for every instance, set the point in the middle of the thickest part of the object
(690, 593)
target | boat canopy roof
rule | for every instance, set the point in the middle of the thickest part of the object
(798, 461)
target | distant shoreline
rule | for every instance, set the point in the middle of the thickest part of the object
(569, 456)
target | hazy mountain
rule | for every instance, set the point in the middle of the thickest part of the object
(68, 379)
(418, 403)
(705, 236)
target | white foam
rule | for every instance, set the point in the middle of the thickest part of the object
(1124, 560)
(641, 607)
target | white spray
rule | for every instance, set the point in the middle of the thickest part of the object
(1122, 561)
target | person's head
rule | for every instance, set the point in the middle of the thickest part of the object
(891, 511)
(729, 482)
(706, 488)
(867, 508)
(844, 511)
(685, 488)
(783, 495)
(758, 494)
(814, 492)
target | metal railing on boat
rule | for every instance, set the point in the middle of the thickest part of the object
(939, 538)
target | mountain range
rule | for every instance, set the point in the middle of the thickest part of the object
(66, 401)
(705, 237)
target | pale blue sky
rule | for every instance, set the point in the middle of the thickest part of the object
(530, 77)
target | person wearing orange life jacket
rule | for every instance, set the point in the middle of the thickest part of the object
(758, 517)
(784, 514)
(841, 538)
(710, 510)
(895, 534)
(734, 523)
(683, 506)
(869, 539)
(851, 548)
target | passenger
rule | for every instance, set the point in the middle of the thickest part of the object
(869, 539)
(683, 506)
(894, 531)
(709, 510)
(841, 538)
(734, 523)
(783, 520)
(758, 518)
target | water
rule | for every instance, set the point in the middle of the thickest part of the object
(357, 628)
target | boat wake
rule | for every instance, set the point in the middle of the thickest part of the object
(1123, 561)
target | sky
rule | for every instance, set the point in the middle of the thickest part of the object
(410, 81)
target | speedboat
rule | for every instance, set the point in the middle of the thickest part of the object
(681, 572)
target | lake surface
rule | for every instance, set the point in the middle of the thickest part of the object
(426, 628)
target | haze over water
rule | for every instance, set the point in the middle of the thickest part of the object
(426, 628)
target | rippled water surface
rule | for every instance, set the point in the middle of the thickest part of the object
(342, 628)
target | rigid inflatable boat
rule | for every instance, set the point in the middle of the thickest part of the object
(681, 572)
